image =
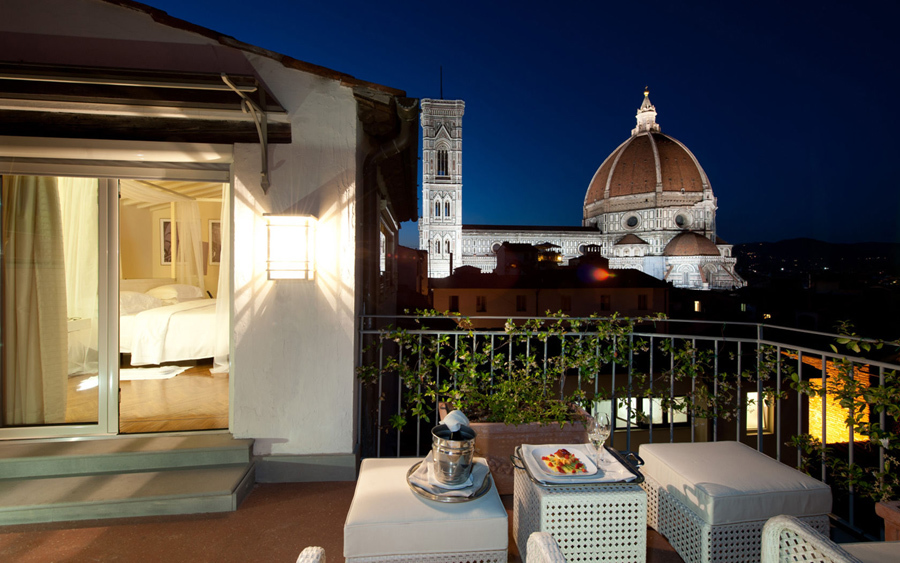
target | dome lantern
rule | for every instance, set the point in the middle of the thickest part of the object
(646, 116)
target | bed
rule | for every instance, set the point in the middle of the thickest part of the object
(161, 321)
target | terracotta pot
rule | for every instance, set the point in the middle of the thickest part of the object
(890, 511)
(496, 441)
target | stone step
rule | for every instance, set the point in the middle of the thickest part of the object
(218, 488)
(60, 458)
(122, 476)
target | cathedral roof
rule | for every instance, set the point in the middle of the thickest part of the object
(649, 162)
(631, 238)
(528, 228)
(691, 244)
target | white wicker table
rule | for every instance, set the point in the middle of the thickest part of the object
(590, 522)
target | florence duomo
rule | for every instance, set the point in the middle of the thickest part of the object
(649, 206)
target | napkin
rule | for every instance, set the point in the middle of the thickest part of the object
(454, 420)
(424, 478)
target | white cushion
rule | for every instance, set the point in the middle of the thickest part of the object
(386, 518)
(132, 302)
(875, 551)
(176, 292)
(730, 482)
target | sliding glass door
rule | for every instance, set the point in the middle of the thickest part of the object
(58, 371)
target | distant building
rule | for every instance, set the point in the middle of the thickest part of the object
(649, 207)
(412, 279)
(525, 286)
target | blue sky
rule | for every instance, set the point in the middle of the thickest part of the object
(787, 105)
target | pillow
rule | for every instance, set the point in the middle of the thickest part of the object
(176, 292)
(132, 302)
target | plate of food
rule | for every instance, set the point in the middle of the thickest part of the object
(569, 461)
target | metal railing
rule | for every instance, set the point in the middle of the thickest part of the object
(699, 373)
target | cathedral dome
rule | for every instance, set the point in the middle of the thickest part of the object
(650, 162)
(691, 244)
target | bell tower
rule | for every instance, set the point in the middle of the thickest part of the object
(440, 225)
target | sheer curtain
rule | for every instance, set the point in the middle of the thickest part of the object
(223, 292)
(34, 303)
(78, 199)
(189, 246)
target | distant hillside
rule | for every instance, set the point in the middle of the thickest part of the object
(875, 263)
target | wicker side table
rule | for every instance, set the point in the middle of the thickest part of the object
(589, 522)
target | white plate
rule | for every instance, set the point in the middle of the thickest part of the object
(540, 451)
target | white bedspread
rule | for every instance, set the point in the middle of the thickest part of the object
(183, 331)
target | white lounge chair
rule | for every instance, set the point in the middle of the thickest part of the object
(312, 555)
(542, 548)
(786, 538)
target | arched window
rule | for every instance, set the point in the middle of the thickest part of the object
(446, 209)
(447, 246)
(437, 208)
(442, 167)
(437, 247)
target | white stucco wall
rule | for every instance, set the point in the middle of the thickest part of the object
(293, 357)
(293, 364)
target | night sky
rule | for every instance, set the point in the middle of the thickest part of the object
(787, 105)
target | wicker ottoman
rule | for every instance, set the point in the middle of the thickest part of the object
(710, 500)
(388, 522)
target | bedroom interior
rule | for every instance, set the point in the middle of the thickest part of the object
(173, 332)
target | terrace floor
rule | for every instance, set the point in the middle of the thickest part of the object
(274, 524)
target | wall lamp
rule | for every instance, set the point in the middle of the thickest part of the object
(292, 246)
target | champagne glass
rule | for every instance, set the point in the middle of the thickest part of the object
(598, 431)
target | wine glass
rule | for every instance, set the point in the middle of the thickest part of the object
(598, 431)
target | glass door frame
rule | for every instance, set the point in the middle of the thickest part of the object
(126, 159)
(108, 325)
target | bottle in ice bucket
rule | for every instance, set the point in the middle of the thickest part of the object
(453, 447)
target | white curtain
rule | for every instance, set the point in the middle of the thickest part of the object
(223, 292)
(34, 303)
(189, 246)
(78, 200)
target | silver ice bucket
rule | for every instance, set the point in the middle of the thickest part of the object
(452, 453)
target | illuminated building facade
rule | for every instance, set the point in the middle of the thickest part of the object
(649, 207)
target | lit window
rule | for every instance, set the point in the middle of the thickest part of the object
(696, 306)
(644, 411)
(480, 304)
(753, 405)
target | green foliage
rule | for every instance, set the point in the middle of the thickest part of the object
(501, 377)
(857, 399)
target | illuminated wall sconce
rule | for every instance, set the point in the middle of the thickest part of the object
(292, 247)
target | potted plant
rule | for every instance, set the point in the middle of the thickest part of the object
(509, 388)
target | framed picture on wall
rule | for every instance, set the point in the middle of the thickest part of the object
(165, 241)
(215, 241)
